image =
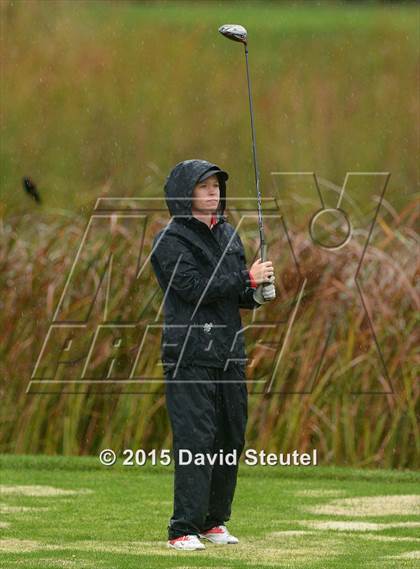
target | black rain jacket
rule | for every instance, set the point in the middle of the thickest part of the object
(204, 278)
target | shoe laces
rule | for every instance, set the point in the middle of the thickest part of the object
(185, 537)
(223, 528)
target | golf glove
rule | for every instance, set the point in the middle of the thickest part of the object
(265, 293)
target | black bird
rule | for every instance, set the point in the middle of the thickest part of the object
(31, 189)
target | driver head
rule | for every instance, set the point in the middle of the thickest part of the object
(234, 32)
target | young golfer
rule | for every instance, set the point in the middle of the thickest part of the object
(200, 265)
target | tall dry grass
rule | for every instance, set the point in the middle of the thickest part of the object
(378, 427)
(92, 104)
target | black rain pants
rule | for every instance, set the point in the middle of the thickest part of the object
(208, 410)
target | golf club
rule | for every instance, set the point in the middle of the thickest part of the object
(238, 33)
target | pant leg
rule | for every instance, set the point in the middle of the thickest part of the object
(231, 417)
(191, 408)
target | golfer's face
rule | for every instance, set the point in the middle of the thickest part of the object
(206, 195)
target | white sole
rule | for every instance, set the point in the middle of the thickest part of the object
(185, 548)
(220, 542)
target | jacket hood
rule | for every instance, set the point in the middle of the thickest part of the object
(180, 184)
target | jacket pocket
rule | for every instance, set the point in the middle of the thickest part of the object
(173, 338)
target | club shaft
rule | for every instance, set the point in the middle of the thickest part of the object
(254, 154)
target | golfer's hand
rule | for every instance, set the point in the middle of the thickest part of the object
(269, 290)
(262, 272)
(264, 292)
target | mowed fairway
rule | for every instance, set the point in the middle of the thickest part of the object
(75, 513)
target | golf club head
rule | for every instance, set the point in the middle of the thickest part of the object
(234, 32)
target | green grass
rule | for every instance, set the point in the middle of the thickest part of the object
(104, 97)
(323, 17)
(121, 521)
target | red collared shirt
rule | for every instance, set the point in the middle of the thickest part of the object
(253, 284)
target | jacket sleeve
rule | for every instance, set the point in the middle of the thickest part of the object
(175, 266)
(246, 299)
